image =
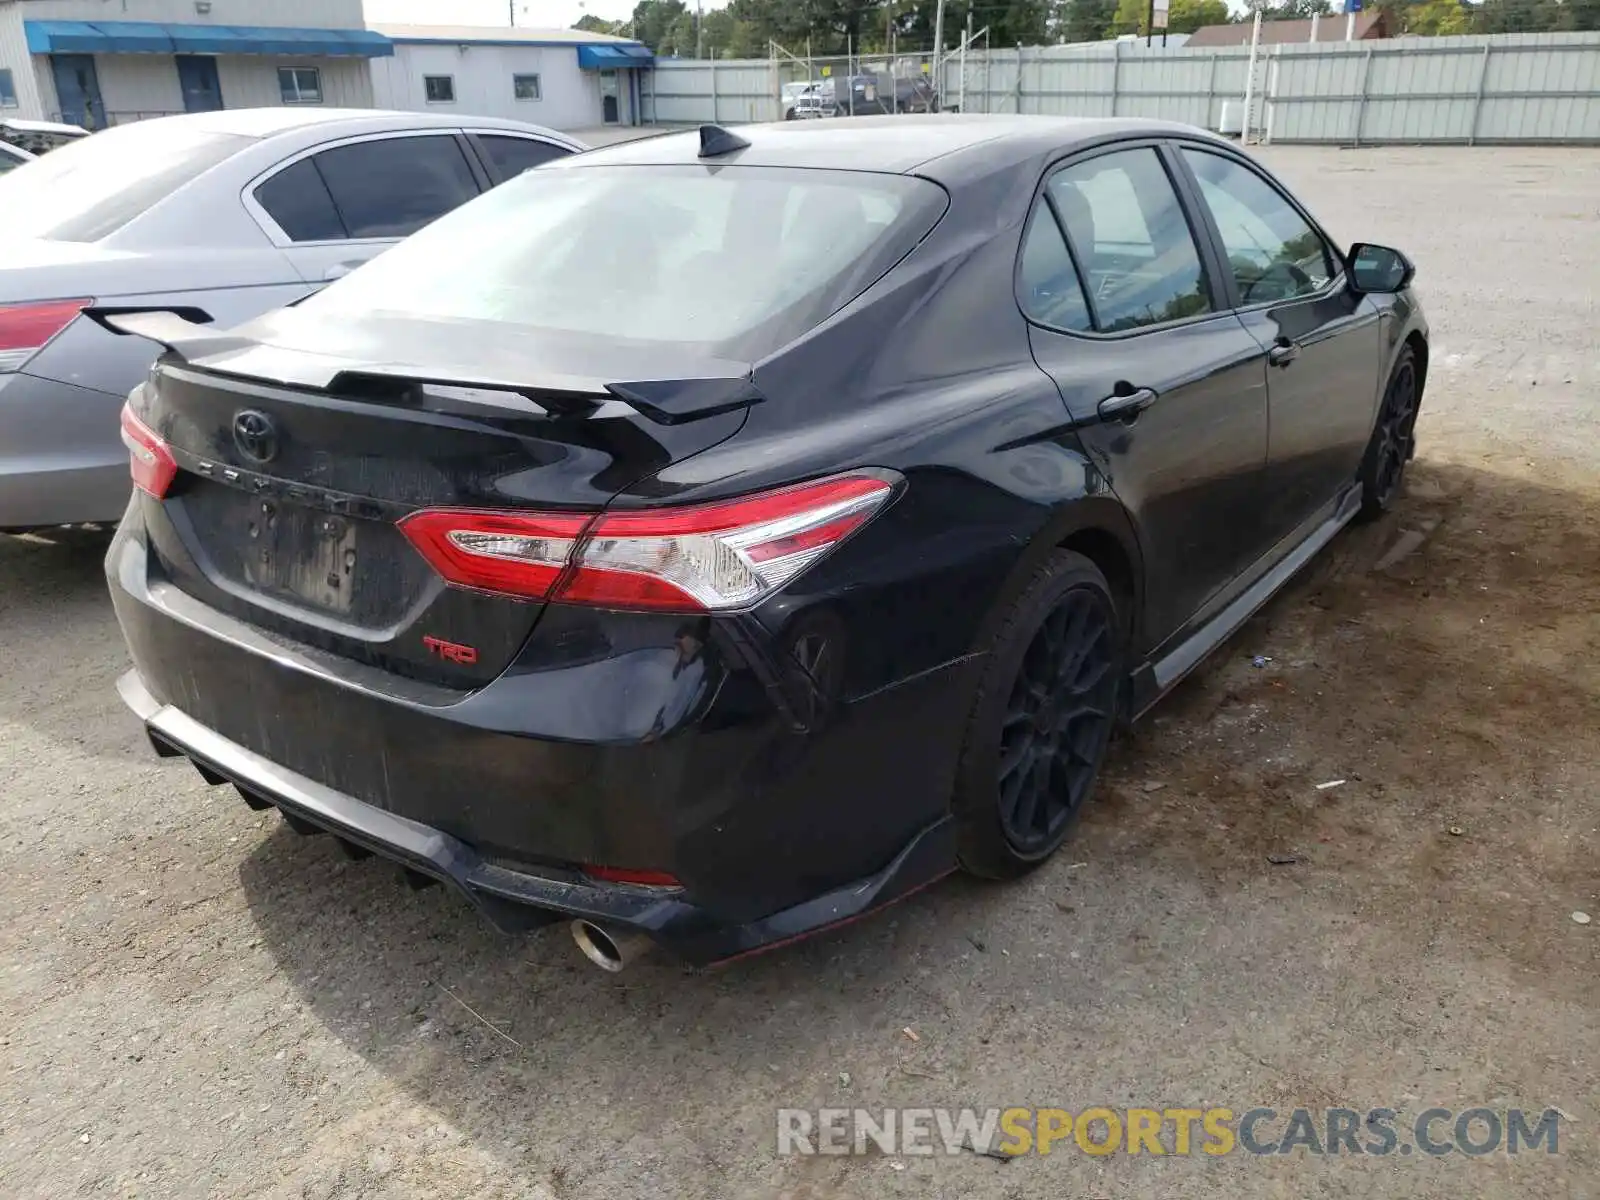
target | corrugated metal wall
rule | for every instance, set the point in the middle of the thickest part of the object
(251, 82)
(14, 58)
(1542, 87)
(140, 85)
(136, 87)
(315, 14)
(569, 97)
(688, 90)
(1509, 88)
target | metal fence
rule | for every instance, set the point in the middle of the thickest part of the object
(1542, 87)
(690, 90)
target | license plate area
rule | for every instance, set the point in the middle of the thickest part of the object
(301, 554)
(359, 571)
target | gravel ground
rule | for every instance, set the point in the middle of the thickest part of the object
(196, 1002)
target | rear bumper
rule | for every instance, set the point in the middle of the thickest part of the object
(690, 769)
(511, 900)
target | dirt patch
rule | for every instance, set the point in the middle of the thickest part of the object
(1455, 693)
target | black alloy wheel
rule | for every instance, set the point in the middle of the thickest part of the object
(1394, 440)
(1057, 721)
(1041, 719)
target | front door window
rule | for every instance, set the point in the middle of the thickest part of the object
(1273, 253)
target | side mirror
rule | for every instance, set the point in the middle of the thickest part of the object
(1379, 269)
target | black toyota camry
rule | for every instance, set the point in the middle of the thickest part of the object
(710, 539)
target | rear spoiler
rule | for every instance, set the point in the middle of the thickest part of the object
(185, 333)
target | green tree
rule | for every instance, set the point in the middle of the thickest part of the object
(680, 40)
(1087, 20)
(653, 21)
(1185, 16)
(1438, 18)
(1021, 23)
(1581, 16)
(1131, 17)
(1297, 10)
(590, 23)
(1535, 16)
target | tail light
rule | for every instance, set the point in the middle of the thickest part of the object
(696, 558)
(149, 461)
(25, 329)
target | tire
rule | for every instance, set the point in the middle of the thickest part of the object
(1394, 439)
(788, 114)
(1033, 748)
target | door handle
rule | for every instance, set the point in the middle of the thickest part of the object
(1283, 353)
(340, 270)
(1125, 406)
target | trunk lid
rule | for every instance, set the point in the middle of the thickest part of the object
(299, 448)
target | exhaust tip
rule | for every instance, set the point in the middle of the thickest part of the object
(599, 947)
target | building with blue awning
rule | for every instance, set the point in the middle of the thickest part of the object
(59, 61)
(560, 78)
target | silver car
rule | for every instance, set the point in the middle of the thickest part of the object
(224, 215)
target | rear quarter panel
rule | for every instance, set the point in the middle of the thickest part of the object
(872, 656)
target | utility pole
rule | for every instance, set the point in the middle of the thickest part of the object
(961, 91)
(1149, 23)
(1250, 75)
(938, 47)
(699, 31)
(513, 6)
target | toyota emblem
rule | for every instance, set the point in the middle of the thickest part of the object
(255, 435)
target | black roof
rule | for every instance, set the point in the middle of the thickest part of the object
(908, 143)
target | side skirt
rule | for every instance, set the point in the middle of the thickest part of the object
(1155, 678)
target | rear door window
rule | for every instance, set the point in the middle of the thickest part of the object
(1051, 292)
(298, 200)
(511, 156)
(392, 187)
(1132, 240)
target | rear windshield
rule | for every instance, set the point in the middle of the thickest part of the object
(736, 261)
(91, 188)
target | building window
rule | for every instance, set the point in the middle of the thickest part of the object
(440, 89)
(300, 85)
(526, 87)
(8, 90)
